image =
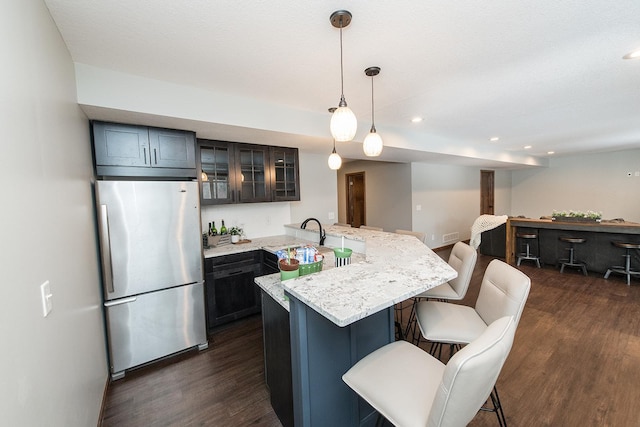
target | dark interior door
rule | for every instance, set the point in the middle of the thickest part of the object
(486, 192)
(355, 199)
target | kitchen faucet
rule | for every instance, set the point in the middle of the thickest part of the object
(323, 235)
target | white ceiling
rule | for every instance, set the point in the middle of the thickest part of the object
(544, 73)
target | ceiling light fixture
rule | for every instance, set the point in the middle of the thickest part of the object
(343, 122)
(416, 120)
(632, 55)
(372, 144)
(335, 161)
(526, 147)
(494, 139)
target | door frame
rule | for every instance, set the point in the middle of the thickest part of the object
(349, 207)
(487, 191)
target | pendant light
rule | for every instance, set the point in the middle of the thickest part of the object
(343, 122)
(372, 145)
(335, 161)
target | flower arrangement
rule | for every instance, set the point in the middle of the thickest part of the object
(235, 231)
(590, 215)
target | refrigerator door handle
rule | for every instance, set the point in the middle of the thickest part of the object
(106, 248)
(120, 301)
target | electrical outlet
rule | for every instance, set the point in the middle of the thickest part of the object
(637, 173)
(331, 215)
(45, 294)
(418, 207)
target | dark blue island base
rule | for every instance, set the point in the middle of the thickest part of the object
(321, 352)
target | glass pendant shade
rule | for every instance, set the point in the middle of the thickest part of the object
(343, 124)
(372, 145)
(335, 161)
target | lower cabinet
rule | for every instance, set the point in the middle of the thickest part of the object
(230, 291)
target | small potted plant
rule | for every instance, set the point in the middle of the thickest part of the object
(235, 232)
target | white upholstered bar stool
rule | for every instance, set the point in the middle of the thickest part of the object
(409, 387)
(421, 236)
(463, 260)
(503, 292)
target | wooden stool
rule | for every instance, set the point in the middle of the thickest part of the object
(527, 255)
(626, 270)
(572, 262)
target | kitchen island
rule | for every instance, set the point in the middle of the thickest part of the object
(339, 315)
(597, 252)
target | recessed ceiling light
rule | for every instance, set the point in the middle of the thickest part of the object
(632, 55)
(416, 120)
(494, 139)
(551, 152)
(526, 147)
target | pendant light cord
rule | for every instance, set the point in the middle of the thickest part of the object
(372, 117)
(341, 71)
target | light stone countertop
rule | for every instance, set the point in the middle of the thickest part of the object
(271, 244)
(393, 268)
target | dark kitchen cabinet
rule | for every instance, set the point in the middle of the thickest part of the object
(217, 163)
(245, 173)
(253, 176)
(285, 174)
(230, 291)
(140, 151)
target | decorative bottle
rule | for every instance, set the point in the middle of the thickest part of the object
(214, 231)
(223, 229)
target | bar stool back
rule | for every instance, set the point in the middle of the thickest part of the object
(525, 237)
(572, 261)
(626, 269)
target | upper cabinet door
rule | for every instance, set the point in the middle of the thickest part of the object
(121, 145)
(140, 151)
(253, 174)
(286, 175)
(217, 172)
(172, 148)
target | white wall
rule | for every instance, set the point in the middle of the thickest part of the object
(317, 199)
(54, 369)
(449, 197)
(387, 193)
(596, 182)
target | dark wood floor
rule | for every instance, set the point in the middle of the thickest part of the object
(575, 362)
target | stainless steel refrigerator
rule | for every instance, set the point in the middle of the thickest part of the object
(150, 243)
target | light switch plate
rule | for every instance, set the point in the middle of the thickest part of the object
(45, 294)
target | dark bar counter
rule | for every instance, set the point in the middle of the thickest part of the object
(597, 252)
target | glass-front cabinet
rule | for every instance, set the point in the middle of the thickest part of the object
(286, 179)
(217, 172)
(233, 172)
(254, 176)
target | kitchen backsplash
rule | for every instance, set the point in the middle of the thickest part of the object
(256, 219)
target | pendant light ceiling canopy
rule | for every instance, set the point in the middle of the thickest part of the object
(372, 145)
(343, 122)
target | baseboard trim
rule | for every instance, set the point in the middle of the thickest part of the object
(104, 402)
(447, 247)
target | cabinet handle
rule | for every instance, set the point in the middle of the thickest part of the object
(155, 156)
(144, 152)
